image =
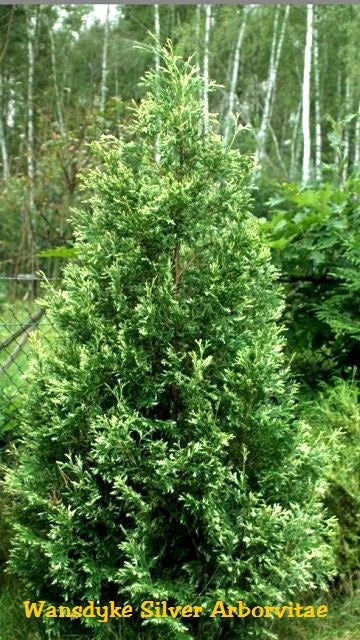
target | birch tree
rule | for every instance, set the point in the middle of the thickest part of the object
(276, 47)
(235, 71)
(30, 218)
(197, 44)
(294, 146)
(346, 145)
(104, 64)
(31, 20)
(3, 142)
(357, 138)
(157, 68)
(318, 136)
(59, 106)
(3, 145)
(206, 66)
(157, 34)
(306, 96)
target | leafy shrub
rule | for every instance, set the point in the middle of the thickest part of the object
(314, 236)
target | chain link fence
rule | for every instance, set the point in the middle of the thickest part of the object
(20, 316)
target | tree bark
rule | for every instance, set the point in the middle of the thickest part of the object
(306, 96)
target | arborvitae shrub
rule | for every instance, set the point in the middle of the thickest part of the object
(161, 459)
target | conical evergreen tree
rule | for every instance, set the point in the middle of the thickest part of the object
(161, 459)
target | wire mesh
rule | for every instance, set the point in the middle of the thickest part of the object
(20, 316)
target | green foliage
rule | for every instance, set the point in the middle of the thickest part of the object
(337, 414)
(161, 458)
(13, 206)
(314, 234)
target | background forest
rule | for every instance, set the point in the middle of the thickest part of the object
(290, 76)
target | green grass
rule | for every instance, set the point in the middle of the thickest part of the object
(342, 622)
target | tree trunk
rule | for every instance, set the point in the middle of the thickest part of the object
(294, 147)
(197, 36)
(3, 145)
(357, 138)
(235, 72)
(29, 229)
(157, 34)
(31, 26)
(276, 47)
(157, 69)
(277, 149)
(346, 152)
(318, 137)
(197, 52)
(306, 96)
(206, 67)
(59, 108)
(104, 65)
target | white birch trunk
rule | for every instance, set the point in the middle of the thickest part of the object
(306, 96)
(157, 34)
(59, 108)
(277, 148)
(294, 144)
(4, 151)
(235, 73)
(337, 147)
(197, 36)
(197, 54)
(31, 26)
(357, 138)
(282, 34)
(346, 152)
(104, 65)
(278, 54)
(276, 47)
(30, 221)
(206, 67)
(318, 135)
(157, 68)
